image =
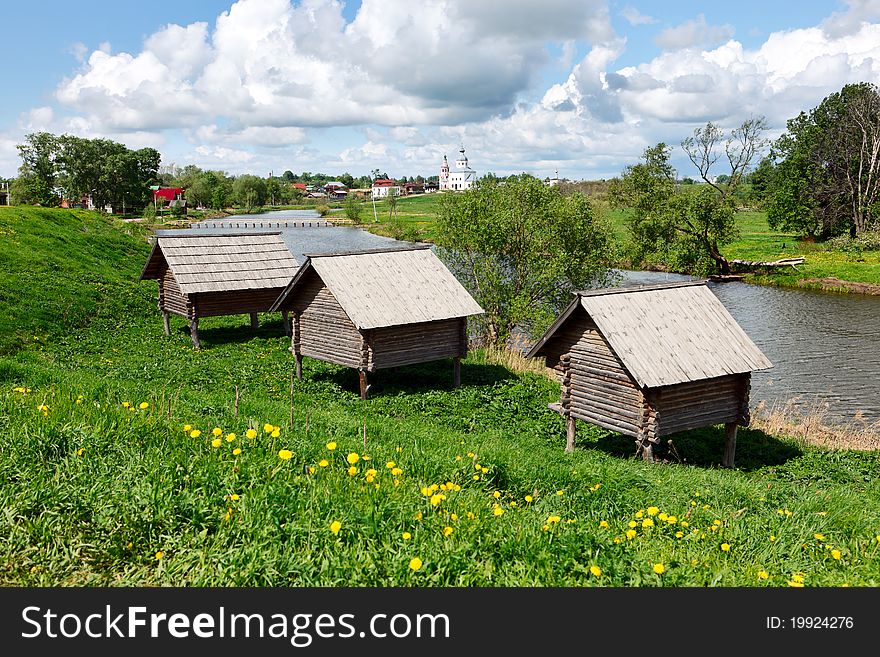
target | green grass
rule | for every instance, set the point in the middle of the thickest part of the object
(93, 490)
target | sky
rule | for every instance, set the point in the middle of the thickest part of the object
(578, 87)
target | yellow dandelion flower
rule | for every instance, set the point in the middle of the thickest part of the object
(437, 498)
(679, 534)
(497, 511)
(285, 454)
(276, 432)
(819, 537)
(553, 519)
(659, 568)
(268, 428)
(406, 536)
(80, 451)
(653, 510)
(671, 520)
(251, 433)
(352, 458)
(195, 433)
(617, 540)
(215, 442)
(647, 522)
(663, 516)
(603, 524)
(795, 584)
(426, 491)
(640, 513)
(352, 471)
(798, 577)
(632, 524)
(234, 497)
(143, 405)
(418, 515)
(763, 574)
(79, 400)
(370, 478)
(684, 523)
(187, 428)
(434, 487)
(159, 555)
(323, 463)
(415, 563)
(236, 451)
(470, 515)
(772, 538)
(528, 498)
(230, 437)
(453, 517)
(447, 531)
(396, 472)
(335, 526)
(126, 404)
(477, 466)
(471, 455)
(513, 503)
(725, 547)
(476, 477)
(458, 457)
(390, 465)
(217, 431)
(595, 571)
(835, 554)
(717, 523)
(484, 470)
(630, 533)
(398, 449)
(546, 528)
(496, 494)
(560, 492)
(311, 469)
(443, 487)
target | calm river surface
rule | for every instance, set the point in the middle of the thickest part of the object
(825, 347)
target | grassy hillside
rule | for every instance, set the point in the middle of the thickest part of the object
(111, 473)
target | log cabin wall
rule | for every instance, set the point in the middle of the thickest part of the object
(601, 389)
(701, 403)
(323, 330)
(234, 302)
(171, 299)
(394, 346)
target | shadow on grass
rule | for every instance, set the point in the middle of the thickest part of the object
(210, 336)
(414, 379)
(705, 447)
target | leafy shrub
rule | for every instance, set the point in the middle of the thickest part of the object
(322, 210)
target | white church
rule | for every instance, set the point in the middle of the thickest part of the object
(461, 177)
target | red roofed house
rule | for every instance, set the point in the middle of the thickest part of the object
(382, 187)
(168, 194)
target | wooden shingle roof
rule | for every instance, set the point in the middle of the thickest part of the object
(389, 287)
(668, 334)
(223, 262)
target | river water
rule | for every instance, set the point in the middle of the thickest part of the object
(825, 347)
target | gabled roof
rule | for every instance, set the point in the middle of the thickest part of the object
(388, 287)
(667, 334)
(222, 262)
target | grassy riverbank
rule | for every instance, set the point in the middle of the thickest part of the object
(102, 484)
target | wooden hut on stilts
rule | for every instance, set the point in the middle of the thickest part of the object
(220, 274)
(650, 361)
(377, 309)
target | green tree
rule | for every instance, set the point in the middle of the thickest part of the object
(353, 208)
(827, 178)
(521, 248)
(685, 226)
(37, 181)
(249, 191)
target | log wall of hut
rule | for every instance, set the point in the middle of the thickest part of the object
(416, 343)
(234, 302)
(322, 330)
(701, 403)
(171, 299)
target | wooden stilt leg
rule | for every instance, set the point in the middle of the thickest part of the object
(362, 375)
(299, 365)
(166, 320)
(569, 433)
(194, 332)
(286, 320)
(456, 372)
(254, 321)
(729, 444)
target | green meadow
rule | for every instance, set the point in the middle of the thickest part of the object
(132, 459)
